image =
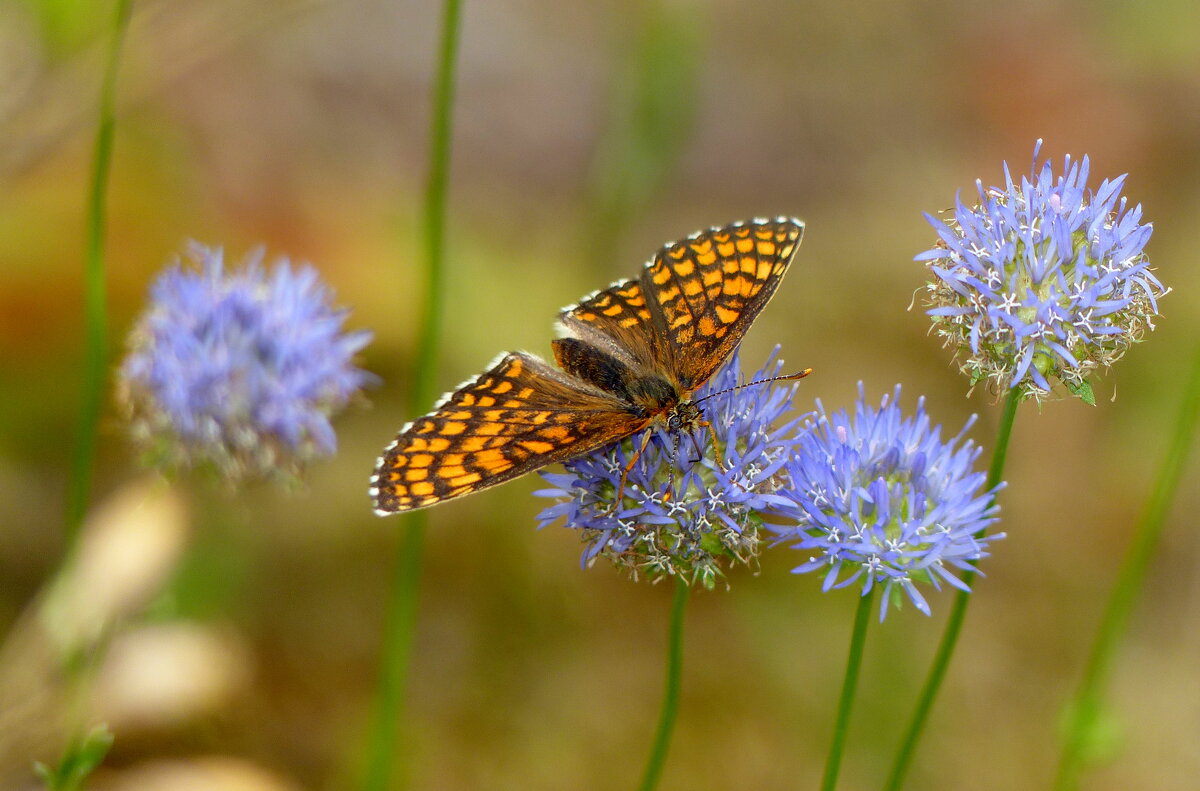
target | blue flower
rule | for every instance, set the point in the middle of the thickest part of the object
(240, 369)
(682, 512)
(1042, 280)
(880, 499)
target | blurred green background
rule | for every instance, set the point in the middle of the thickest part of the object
(587, 134)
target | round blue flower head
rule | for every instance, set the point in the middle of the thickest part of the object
(682, 513)
(879, 498)
(239, 369)
(1042, 280)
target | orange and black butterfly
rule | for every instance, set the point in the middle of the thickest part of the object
(631, 355)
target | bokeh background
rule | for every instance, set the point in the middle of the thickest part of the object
(587, 134)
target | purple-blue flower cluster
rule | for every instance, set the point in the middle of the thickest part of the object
(881, 499)
(683, 511)
(241, 369)
(1042, 280)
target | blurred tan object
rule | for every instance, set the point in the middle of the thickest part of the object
(128, 547)
(164, 674)
(206, 773)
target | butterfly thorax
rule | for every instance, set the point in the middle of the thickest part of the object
(655, 394)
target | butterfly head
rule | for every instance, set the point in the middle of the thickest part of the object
(683, 414)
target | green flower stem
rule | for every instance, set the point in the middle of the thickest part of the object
(1083, 710)
(670, 704)
(941, 660)
(858, 639)
(95, 364)
(86, 749)
(396, 655)
(402, 603)
(652, 115)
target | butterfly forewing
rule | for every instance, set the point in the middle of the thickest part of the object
(710, 286)
(518, 416)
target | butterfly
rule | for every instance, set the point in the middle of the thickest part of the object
(629, 356)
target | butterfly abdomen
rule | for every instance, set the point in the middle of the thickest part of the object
(592, 365)
(647, 393)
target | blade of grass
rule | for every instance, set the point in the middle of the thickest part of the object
(1085, 707)
(652, 114)
(401, 619)
(79, 485)
(87, 746)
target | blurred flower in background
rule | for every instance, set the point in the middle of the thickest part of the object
(880, 498)
(1042, 280)
(684, 513)
(239, 369)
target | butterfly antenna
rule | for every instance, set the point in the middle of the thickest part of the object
(785, 378)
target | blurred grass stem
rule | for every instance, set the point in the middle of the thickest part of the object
(670, 703)
(1083, 712)
(400, 626)
(86, 746)
(652, 114)
(941, 659)
(858, 640)
(95, 364)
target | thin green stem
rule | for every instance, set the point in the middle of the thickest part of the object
(958, 611)
(670, 703)
(858, 640)
(434, 235)
(1084, 709)
(396, 656)
(83, 749)
(95, 364)
(401, 620)
(1003, 434)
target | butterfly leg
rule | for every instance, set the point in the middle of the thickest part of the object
(712, 433)
(671, 467)
(628, 468)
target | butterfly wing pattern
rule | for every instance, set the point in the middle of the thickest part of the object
(521, 414)
(711, 286)
(629, 354)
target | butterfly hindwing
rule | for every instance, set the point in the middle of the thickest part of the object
(519, 415)
(618, 321)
